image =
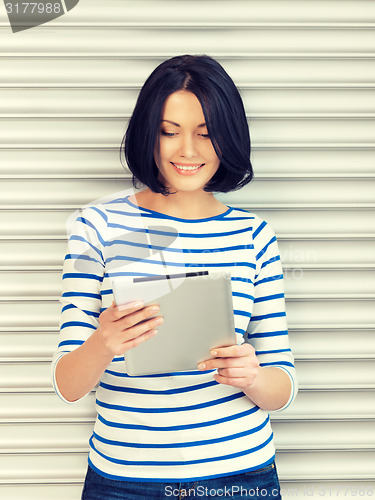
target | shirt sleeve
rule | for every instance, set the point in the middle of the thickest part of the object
(83, 272)
(267, 331)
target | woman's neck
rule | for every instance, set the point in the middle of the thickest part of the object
(181, 205)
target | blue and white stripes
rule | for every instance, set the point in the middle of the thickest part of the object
(175, 426)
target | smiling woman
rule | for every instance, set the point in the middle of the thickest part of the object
(206, 428)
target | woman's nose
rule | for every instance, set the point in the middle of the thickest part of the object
(188, 147)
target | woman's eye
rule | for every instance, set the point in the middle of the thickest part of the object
(173, 134)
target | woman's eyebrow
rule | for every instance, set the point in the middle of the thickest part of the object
(177, 125)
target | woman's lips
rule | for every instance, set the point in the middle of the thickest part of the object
(187, 168)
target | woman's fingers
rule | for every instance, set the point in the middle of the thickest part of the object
(240, 382)
(233, 351)
(138, 316)
(136, 341)
(232, 372)
(229, 357)
(134, 314)
(221, 363)
(141, 328)
(115, 313)
(236, 365)
(122, 328)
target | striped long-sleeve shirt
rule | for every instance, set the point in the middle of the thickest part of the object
(175, 426)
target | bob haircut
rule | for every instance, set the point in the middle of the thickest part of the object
(223, 110)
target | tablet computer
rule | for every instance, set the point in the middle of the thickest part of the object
(198, 316)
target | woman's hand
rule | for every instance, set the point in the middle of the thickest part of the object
(268, 387)
(237, 365)
(79, 371)
(121, 329)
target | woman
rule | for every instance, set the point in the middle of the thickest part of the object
(205, 432)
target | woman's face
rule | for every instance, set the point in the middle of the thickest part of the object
(187, 158)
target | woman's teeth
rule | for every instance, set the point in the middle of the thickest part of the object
(182, 167)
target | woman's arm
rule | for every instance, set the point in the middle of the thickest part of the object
(91, 337)
(78, 371)
(263, 367)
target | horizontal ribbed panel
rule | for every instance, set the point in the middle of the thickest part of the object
(153, 41)
(39, 406)
(336, 465)
(306, 73)
(58, 490)
(320, 435)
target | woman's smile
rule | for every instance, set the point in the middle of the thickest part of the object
(187, 168)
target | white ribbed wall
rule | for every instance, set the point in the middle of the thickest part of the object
(306, 71)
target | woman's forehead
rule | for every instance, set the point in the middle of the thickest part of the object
(183, 107)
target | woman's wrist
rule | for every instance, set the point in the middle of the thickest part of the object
(271, 388)
(102, 350)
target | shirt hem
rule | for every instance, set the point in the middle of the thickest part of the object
(178, 479)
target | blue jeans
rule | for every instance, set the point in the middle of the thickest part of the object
(261, 483)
